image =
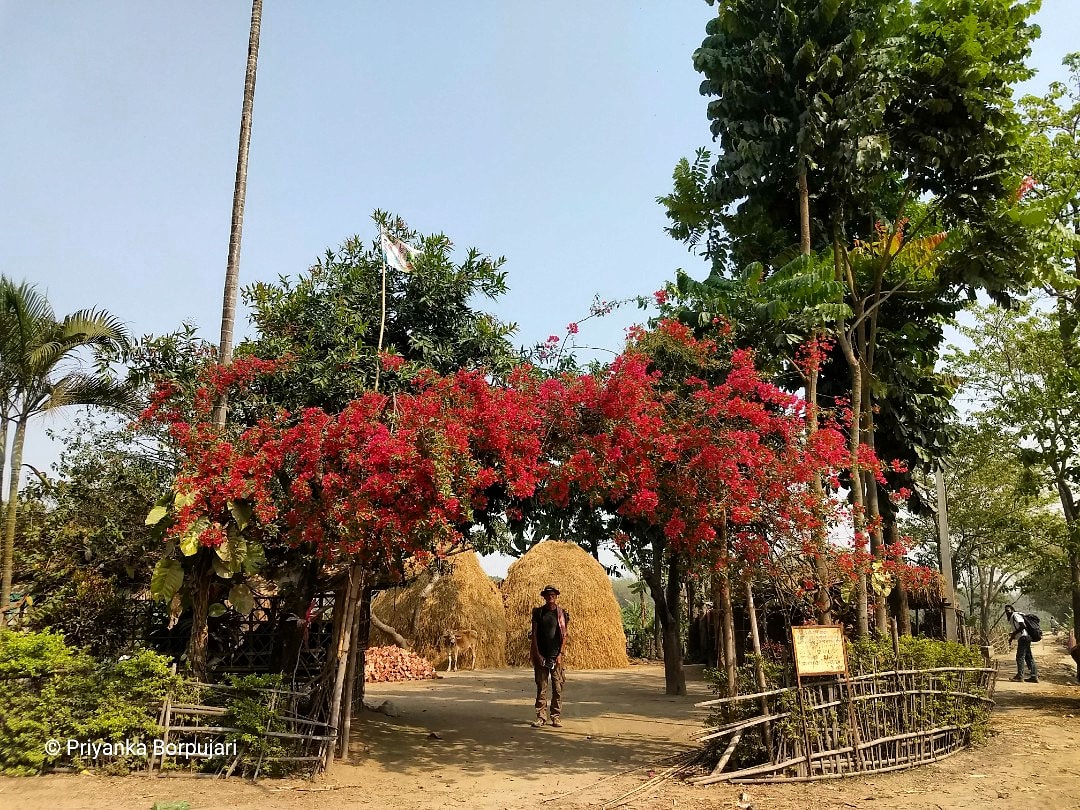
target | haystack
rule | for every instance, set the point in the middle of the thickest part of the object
(596, 637)
(464, 598)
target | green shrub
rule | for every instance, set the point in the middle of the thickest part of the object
(871, 654)
(251, 709)
(50, 691)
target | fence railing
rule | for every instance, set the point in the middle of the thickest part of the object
(872, 723)
(285, 740)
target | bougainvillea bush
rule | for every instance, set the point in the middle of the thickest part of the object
(692, 447)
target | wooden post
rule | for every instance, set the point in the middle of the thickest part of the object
(341, 656)
(805, 731)
(759, 667)
(351, 671)
(948, 610)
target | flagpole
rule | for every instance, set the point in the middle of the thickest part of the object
(382, 319)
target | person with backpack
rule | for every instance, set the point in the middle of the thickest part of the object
(549, 637)
(1023, 638)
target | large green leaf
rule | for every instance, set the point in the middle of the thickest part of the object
(184, 499)
(234, 549)
(241, 599)
(166, 580)
(161, 509)
(241, 512)
(215, 610)
(225, 570)
(189, 543)
(254, 559)
(156, 514)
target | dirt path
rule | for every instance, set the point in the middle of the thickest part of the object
(465, 740)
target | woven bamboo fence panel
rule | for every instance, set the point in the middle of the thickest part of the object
(872, 723)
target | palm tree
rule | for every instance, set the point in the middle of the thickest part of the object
(40, 372)
(199, 639)
(232, 267)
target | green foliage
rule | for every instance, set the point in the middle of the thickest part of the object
(1001, 523)
(898, 113)
(53, 691)
(773, 312)
(84, 552)
(327, 320)
(40, 372)
(1052, 205)
(873, 654)
(253, 708)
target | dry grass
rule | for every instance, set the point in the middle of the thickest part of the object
(465, 598)
(596, 638)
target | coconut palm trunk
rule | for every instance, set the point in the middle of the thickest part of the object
(11, 515)
(232, 267)
(197, 647)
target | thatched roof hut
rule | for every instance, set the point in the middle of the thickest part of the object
(596, 637)
(463, 598)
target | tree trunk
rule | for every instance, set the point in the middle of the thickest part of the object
(666, 604)
(984, 606)
(903, 609)
(199, 640)
(727, 614)
(804, 210)
(759, 665)
(289, 640)
(822, 599)
(232, 268)
(395, 636)
(881, 613)
(1074, 577)
(858, 512)
(727, 626)
(873, 508)
(422, 599)
(11, 516)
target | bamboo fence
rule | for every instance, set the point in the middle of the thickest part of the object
(872, 723)
(297, 740)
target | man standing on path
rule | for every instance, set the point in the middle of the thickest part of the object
(548, 636)
(1023, 645)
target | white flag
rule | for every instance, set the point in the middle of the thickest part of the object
(398, 254)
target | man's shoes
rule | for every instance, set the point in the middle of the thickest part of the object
(539, 722)
(1016, 678)
(1033, 679)
(556, 722)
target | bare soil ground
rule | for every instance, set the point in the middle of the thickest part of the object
(465, 740)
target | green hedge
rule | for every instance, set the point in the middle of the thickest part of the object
(50, 691)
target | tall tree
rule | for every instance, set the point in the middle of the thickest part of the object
(833, 116)
(1017, 367)
(999, 520)
(236, 227)
(41, 366)
(204, 573)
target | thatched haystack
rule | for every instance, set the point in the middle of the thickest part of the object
(464, 598)
(596, 637)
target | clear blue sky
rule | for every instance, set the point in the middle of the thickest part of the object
(538, 131)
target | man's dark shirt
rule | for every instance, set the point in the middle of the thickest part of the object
(549, 640)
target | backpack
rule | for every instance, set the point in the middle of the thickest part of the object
(1031, 622)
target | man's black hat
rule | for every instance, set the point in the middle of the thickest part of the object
(549, 589)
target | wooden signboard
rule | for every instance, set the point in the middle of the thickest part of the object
(819, 650)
